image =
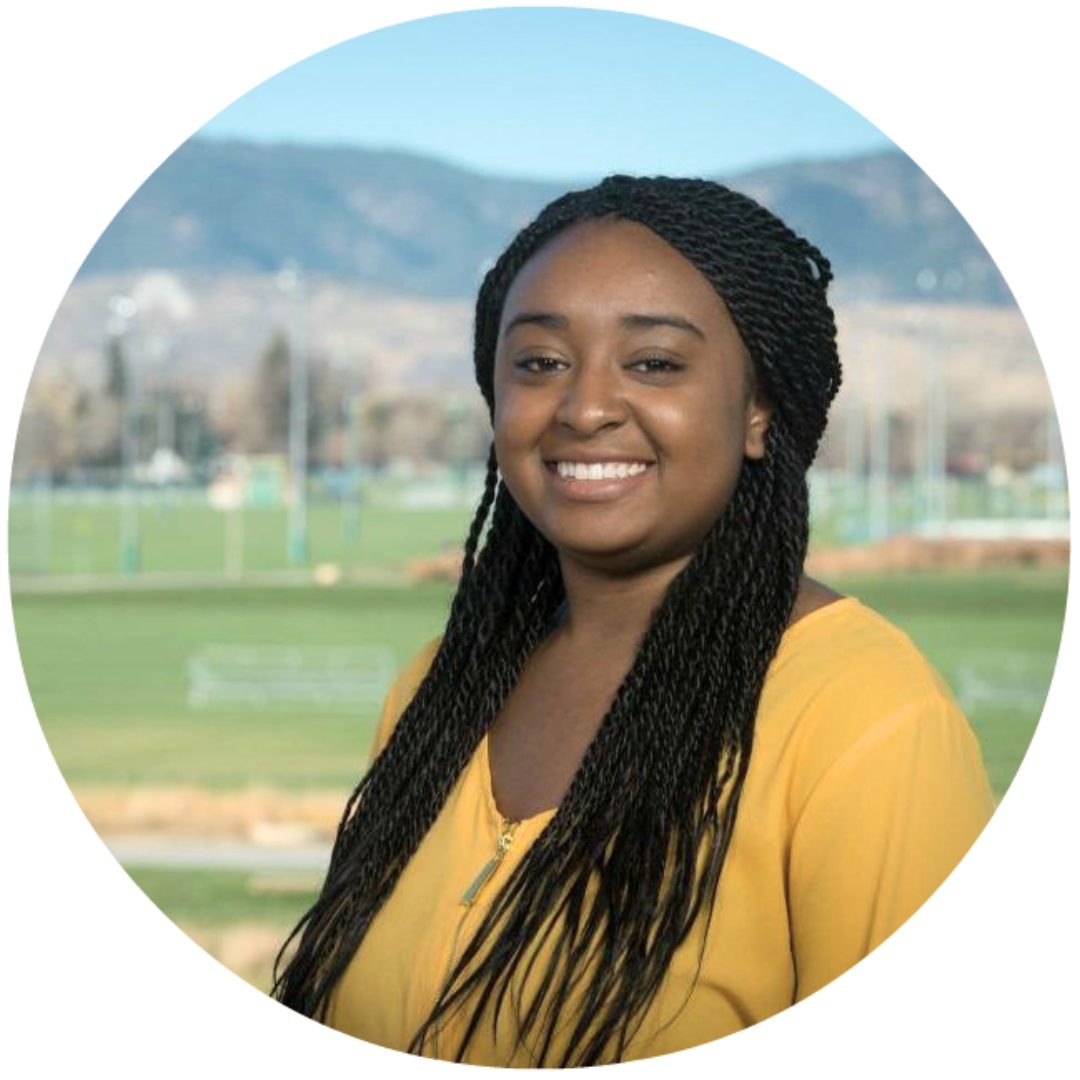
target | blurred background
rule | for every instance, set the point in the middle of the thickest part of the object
(252, 445)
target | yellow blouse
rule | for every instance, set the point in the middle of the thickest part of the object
(865, 788)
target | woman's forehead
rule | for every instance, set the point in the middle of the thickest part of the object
(612, 263)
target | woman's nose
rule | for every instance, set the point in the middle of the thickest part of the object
(592, 399)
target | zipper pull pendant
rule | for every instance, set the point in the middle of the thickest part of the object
(501, 848)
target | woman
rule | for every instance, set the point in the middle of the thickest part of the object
(653, 784)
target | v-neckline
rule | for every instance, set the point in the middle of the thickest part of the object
(487, 786)
(499, 820)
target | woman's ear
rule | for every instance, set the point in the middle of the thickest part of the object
(758, 414)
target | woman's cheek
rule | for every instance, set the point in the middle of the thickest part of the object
(518, 423)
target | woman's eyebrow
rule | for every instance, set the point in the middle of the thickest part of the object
(645, 322)
(632, 322)
(537, 318)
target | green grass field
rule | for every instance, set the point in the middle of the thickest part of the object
(80, 534)
(108, 676)
(107, 671)
(213, 898)
(212, 905)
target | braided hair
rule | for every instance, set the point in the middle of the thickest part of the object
(630, 862)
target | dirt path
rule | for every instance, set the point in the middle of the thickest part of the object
(192, 853)
(905, 553)
(262, 816)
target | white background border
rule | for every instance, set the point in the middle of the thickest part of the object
(981, 982)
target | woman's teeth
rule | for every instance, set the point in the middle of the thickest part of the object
(608, 470)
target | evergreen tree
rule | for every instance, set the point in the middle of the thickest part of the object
(116, 372)
(271, 396)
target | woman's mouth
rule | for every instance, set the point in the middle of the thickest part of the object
(590, 481)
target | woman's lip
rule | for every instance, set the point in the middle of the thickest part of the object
(596, 490)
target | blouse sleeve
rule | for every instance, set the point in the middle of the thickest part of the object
(399, 695)
(387, 718)
(882, 828)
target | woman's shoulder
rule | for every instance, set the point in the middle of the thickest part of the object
(847, 643)
(844, 679)
(412, 674)
(401, 692)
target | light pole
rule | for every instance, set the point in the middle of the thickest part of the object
(351, 503)
(161, 350)
(879, 452)
(936, 421)
(1054, 463)
(291, 282)
(853, 467)
(122, 310)
(457, 412)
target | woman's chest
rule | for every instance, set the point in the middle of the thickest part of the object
(544, 729)
(413, 944)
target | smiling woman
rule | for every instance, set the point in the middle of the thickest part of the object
(653, 784)
(615, 350)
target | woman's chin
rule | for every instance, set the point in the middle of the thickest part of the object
(611, 555)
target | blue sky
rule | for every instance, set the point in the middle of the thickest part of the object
(555, 93)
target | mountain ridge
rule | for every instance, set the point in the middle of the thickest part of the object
(412, 224)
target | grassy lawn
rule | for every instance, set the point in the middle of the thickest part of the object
(107, 671)
(241, 919)
(994, 636)
(78, 531)
(214, 898)
(107, 674)
(181, 532)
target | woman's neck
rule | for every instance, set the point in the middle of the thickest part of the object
(607, 612)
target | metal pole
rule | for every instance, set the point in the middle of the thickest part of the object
(935, 443)
(122, 311)
(351, 515)
(926, 432)
(1053, 463)
(879, 453)
(292, 282)
(456, 414)
(941, 413)
(234, 539)
(129, 522)
(853, 466)
(43, 521)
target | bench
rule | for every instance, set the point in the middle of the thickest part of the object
(261, 676)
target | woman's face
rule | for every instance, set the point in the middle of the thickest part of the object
(623, 397)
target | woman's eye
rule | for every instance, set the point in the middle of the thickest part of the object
(656, 365)
(538, 363)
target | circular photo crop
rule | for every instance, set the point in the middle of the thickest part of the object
(538, 537)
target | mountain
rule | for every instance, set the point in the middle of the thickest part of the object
(887, 228)
(400, 222)
(405, 223)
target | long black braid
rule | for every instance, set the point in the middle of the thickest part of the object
(631, 859)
